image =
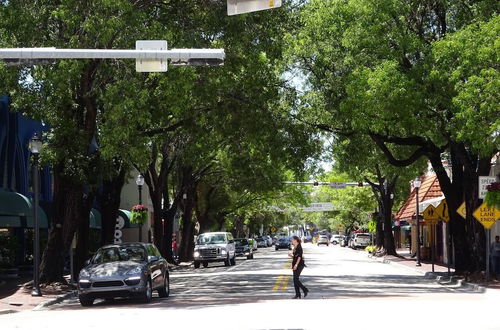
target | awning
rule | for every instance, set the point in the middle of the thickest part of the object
(434, 202)
(126, 215)
(95, 219)
(16, 211)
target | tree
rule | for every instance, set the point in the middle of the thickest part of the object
(372, 69)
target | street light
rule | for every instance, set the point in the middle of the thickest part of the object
(35, 147)
(416, 184)
(140, 182)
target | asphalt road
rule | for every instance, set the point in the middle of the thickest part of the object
(347, 290)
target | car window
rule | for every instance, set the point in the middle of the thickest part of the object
(241, 242)
(211, 239)
(230, 237)
(122, 253)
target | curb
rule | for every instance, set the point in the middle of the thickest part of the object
(55, 300)
(443, 280)
(7, 311)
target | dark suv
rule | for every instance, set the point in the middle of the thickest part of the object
(243, 248)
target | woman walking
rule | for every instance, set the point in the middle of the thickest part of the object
(297, 266)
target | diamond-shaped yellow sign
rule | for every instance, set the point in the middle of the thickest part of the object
(430, 213)
(462, 211)
(487, 216)
(442, 211)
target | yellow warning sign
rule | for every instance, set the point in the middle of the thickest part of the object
(462, 211)
(487, 216)
(442, 211)
(430, 213)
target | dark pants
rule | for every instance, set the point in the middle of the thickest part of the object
(495, 265)
(296, 281)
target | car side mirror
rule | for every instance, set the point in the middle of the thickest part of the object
(231, 241)
(153, 258)
(87, 262)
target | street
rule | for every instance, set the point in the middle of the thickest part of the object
(346, 289)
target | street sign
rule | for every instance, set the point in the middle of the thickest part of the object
(235, 7)
(484, 181)
(273, 229)
(430, 213)
(462, 211)
(487, 216)
(151, 65)
(337, 185)
(318, 207)
(442, 211)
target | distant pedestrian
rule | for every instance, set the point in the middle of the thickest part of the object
(298, 265)
(175, 247)
(495, 255)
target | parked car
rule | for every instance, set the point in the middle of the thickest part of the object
(336, 239)
(253, 243)
(360, 240)
(261, 242)
(283, 243)
(323, 239)
(307, 239)
(214, 247)
(124, 270)
(268, 240)
(243, 248)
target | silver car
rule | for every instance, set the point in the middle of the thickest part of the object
(124, 270)
(214, 247)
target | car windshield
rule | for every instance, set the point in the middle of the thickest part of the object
(211, 239)
(121, 253)
(241, 242)
(283, 240)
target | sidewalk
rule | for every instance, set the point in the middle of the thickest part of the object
(16, 297)
(440, 271)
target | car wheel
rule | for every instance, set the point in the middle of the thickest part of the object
(165, 291)
(233, 261)
(276, 248)
(289, 248)
(205, 264)
(250, 256)
(196, 264)
(148, 293)
(227, 262)
(86, 302)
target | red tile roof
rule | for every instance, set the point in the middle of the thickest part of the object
(430, 189)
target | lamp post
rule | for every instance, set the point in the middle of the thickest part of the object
(35, 146)
(416, 184)
(140, 182)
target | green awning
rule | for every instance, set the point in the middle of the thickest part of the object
(125, 215)
(95, 219)
(16, 211)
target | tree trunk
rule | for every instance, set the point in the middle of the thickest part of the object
(468, 236)
(83, 231)
(110, 199)
(67, 213)
(379, 241)
(187, 243)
